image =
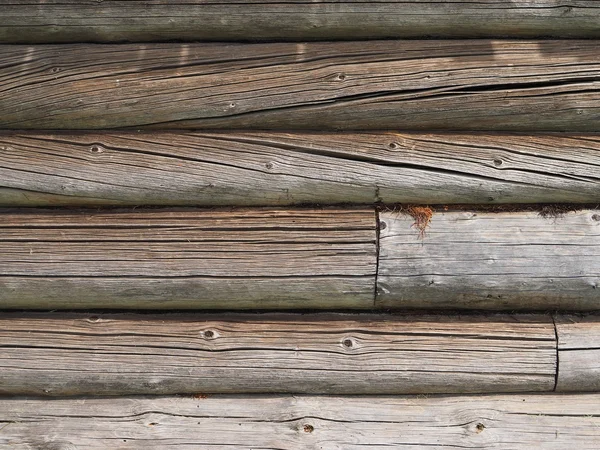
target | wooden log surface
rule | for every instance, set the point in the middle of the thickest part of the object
(469, 85)
(520, 422)
(58, 355)
(157, 258)
(512, 260)
(269, 168)
(578, 353)
(117, 21)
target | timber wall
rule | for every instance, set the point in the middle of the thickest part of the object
(300, 225)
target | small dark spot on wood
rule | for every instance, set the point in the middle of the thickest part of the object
(341, 77)
(490, 199)
(480, 427)
(232, 105)
(596, 217)
(348, 343)
(269, 165)
(308, 428)
(96, 149)
(393, 145)
(152, 424)
(94, 319)
(431, 282)
(55, 70)
(382, 225)
(208, 334)
(497, 162)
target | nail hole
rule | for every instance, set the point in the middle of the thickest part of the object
(152, 424)
(596, 217)
(96, 149)
(480, 427)
(94, 319)
(209, 334)
(341, 77)
(269, 165)
(55, 70)
(382, 225)
(308, 428)
(393, 145)
(497, 162)
(348, 343)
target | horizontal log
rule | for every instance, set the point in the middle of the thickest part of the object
(520, 422)
(578, 353)
(267, 168)
(465, 259)
(445, 85)
(262, 258)
(58, 355)
(117, 21)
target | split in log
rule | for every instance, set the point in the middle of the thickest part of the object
(446, 85)
(266, 168)
(116, 21)
(516, 422)
(262, 258)
(578, 353)
(75, 354)
(516, 260)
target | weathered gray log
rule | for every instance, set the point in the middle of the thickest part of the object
(50, 354)
(262, 258)
(266, 168)
(578, 353)
(520, 422)
(515, 260)
(115, 21)
(445, 85)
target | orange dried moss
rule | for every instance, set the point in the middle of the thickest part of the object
(422, 216)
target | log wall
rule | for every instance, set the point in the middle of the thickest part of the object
(578, 353)
(114, 21)
(552, 422)
(270, 168)
(50, 354)
(478, 259)
(161, 259)
(298, 259)
(543, 85)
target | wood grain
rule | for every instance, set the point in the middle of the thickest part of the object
(270, 168)
(578, 352)
(470, 85)
(117, 21)
(520, 422)
(157, 258)
(512, 260)
(57, 354)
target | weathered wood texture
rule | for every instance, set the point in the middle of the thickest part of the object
(516, 260)
(49, 354)
(262, 258)
(114, 21)
(446, 85)
(542, 421)
(578, 353)
(266, 168)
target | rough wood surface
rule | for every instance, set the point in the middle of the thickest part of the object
(54, 354)
(520, 422)
(516, 260)
(578, 352)
(267, 168)
(448, 85)
(261, 258)
(115, 21)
